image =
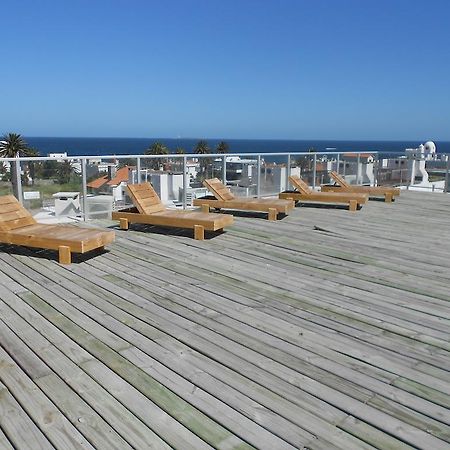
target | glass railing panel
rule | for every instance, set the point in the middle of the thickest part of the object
(6, 178)
(304, 167)
(393, 170)
(52, 189)
(165, 173)
(107, 180)
(437, 172)
(242, 175)
(199, 168)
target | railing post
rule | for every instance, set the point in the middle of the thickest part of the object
(338, 162)
(358, 168)
(185, 182)
(224, 170)
(447, 169)
(138, 170)
(375, 170)
(412, 178)
(288, 172)
(84, 187)
(258, 177)
(314, 171)
(18, 180)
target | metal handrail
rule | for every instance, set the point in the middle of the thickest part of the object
(176, 156)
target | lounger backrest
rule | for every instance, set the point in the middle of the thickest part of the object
(220, 191)
(300, 185)
(13, 215)
(339, 179)
(145, 198)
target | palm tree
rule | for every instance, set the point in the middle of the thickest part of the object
(13, 145)
(202, 148)
(222, 147)
(180, 151)
(157, 148)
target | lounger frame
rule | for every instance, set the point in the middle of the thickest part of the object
(388, 192)
(150, 210)
(18, 227)
(223, 198)
(304, 193)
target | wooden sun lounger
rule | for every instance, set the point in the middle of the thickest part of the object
(150, 210)
(224, 199)
(388, 192)
(18, 227)
(304, 193)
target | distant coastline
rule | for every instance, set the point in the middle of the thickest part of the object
(121, 146)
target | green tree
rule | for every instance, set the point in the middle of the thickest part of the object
(49, 169)
(202, 148)
(4, 172)
(222, 147)
(157, 148)
(13, 145)
(126, 162)
(180, 151)
(32, 167)
(64, 172)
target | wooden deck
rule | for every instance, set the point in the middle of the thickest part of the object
(324, 330)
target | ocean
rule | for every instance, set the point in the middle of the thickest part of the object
(121, 146)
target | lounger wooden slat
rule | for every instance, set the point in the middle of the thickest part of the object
(150, 210)
(7, 207)
(304, 193)
(224, 199)
(388, 192)
(24, 230)
(7, 199)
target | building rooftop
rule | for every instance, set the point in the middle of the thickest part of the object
(325, 330)
(98, 182)
(120, 176)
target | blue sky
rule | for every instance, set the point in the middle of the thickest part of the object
(293, 69)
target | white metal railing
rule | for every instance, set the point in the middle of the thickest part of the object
(284, 159)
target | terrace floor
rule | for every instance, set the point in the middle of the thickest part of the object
(327, 329)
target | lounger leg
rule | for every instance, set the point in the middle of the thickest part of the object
(352, 205)
(124, 224)
(272, 214)
(388, 198)
(199, 232)
(65, 256)
(205, 208)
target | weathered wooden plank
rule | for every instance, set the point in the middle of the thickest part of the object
(4, 442)
(282, 328)
(173, 404)
(65, 397)
(348, 444)
(20, 430)
(44, 414)
(257, 361)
